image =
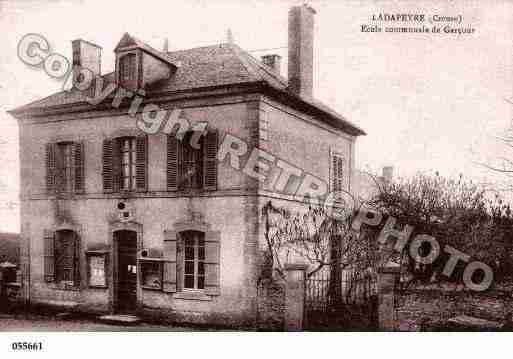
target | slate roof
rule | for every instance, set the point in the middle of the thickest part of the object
(204, 67)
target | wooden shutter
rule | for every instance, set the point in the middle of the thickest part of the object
(212, 265)
(107, 167)
(141, 163)
(78, 161)
(49, 256)
(170, 256)
(51, 168)
(76, 260)
(116, 164)
(174, 148)
(179, 262)
(337, 172)
(172, 162)
(210, 161)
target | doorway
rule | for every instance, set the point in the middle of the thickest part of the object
(126, 271)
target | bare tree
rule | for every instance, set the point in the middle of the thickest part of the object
(457, 212)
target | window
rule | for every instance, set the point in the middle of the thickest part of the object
(337, 172)
(192, 166)
(128, 170)
(191, 261)
(264, 126)
(194, 260)
(125, 163)
(65, 258)
(127, 70)
(151, 273)
(64, 167)
(61, 260)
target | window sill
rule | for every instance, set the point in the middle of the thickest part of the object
(12, 285)
(192, 296)
(62, 286)
(91, 286)
(63, 195)
(149, 287)
(192, 191)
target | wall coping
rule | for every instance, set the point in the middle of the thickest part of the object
(296, 267)
(389, 270)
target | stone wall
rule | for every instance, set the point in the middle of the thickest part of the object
(428, 306)
(271, 304)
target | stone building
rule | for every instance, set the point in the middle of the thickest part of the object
(117, 219)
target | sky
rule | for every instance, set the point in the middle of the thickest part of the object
(428, 102)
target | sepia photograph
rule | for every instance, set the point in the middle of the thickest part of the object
(259, 167)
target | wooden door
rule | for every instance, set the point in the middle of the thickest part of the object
(127, 271)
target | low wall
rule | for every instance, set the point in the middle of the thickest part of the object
(420, 307)
(271, 304)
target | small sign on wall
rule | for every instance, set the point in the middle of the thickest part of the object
(97, 267)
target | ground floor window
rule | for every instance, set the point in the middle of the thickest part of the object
(194, 260)
(62, 255)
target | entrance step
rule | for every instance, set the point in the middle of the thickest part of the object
(120, 319)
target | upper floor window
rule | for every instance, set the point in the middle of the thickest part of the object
(337, 172)
(192, 162)
(65, 153)
(125, 164)
(128, 163)
(128, 70)
(64, 167)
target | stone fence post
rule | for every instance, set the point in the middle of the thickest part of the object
(387, 278)
(1, 285)
(294, 296)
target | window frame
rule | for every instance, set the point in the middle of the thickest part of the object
(75, 265)
(128, 69)
(198, 238)
(65, 167)
(195, 159)
(131, 174)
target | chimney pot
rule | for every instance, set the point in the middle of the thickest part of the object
(229, 37)
(388, 173)
(273, 61)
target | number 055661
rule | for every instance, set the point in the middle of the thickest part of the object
(26, 346)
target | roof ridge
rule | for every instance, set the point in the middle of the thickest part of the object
(236, 50)
(221, 44)
(264, 67)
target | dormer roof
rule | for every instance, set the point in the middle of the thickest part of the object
(130, 42)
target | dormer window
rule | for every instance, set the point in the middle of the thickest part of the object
(128, 71)
(139, 65)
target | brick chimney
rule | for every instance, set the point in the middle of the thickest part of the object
(301, 29)
(86, 55)
(273, 61)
